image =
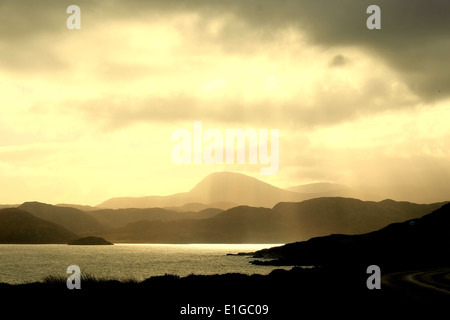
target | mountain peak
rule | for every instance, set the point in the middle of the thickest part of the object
(227, 178)
(218, 187)
(240, 188)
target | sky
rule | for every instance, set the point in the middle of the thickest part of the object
(88, 114)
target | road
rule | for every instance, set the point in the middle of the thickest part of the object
(430, 285)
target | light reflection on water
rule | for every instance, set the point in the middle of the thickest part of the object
(29, 263)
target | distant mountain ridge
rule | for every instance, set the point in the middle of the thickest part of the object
(325, 189)
(239, 189)
(217, 187)
(323, 216)
(72, 219)
(6, 206)
(198, 206)
(19, 226)
(113, 218)
(285, 222)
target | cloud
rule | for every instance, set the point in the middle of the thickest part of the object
(351, 103)
(295, 98)
(338, 61)
(413, 39)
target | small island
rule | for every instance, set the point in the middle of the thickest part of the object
(90, 241)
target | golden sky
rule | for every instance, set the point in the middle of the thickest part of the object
(86, 115)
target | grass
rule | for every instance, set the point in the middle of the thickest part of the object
(86, 278)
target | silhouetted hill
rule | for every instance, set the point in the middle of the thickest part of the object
(89, 241)
(241, 189)
(77, 206)
(237, 225)
(318, 187)
(121, 217)
(232, 189)
(329, 293)
(197, 206)
(323, 216)
(215, 188)
(411, 193)
(5, 206)
(415, 243)
(418, 193)
(325, 189)
(72, 219)
(19, 226)
(286, 222)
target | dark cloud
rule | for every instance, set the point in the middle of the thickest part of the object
(413, 39)
(338, 61)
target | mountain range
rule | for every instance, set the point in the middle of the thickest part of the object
(285, 222)
(228, 189)
(218, 187)
(225, 208)
(72, 219)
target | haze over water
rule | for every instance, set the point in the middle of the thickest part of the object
(30, 263)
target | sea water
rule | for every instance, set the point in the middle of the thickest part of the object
(31, 263)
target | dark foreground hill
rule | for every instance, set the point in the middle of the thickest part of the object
(422, 242)
(322, 293)
(18, 226)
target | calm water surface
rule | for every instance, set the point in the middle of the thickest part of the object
(29, 263)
